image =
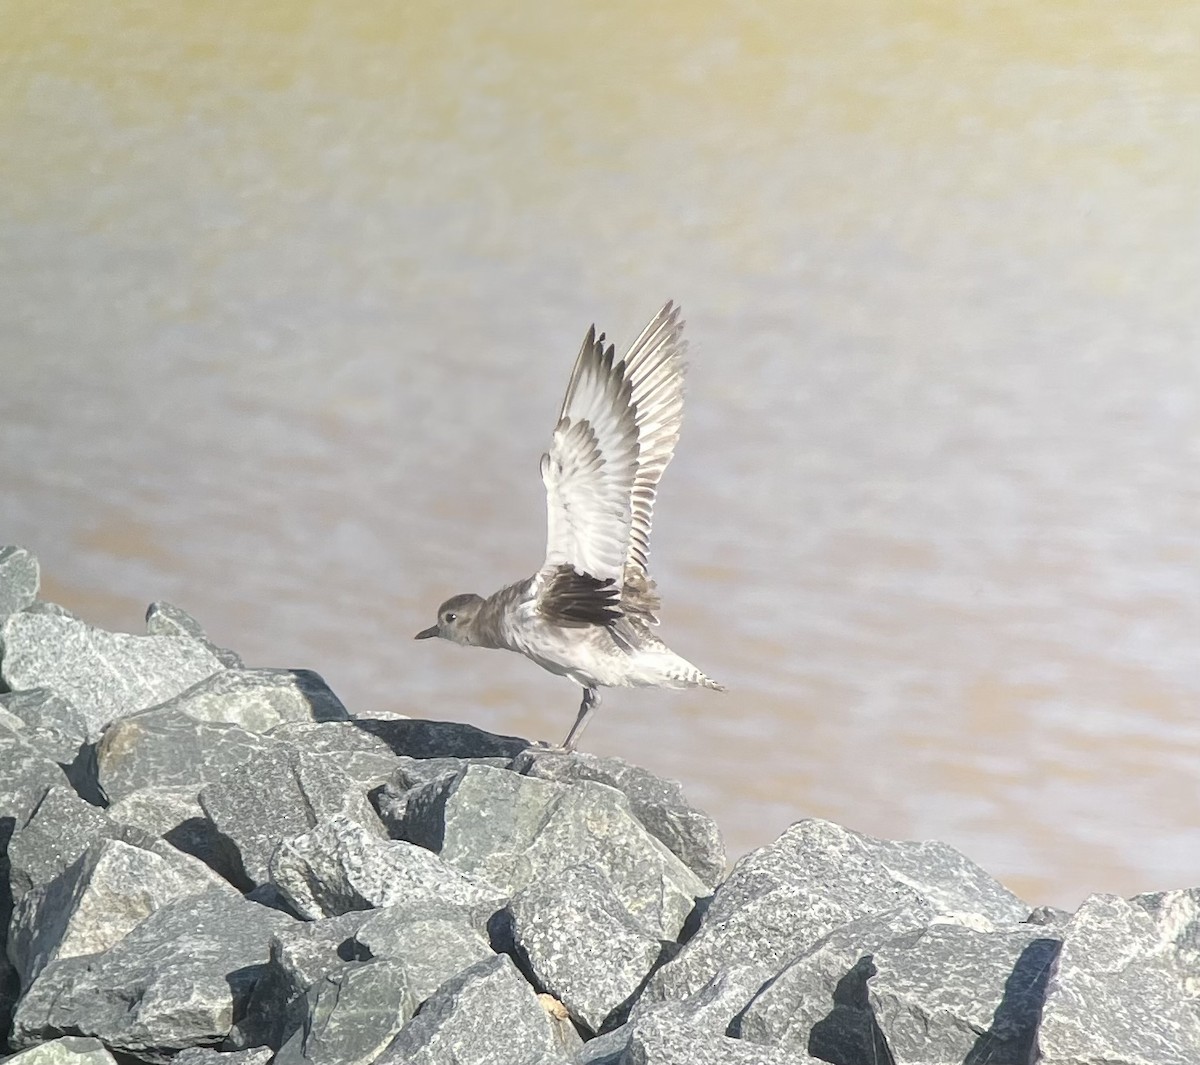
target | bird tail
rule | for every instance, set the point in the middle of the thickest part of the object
(686, 675)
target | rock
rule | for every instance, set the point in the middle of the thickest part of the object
(339, 866)
(411, 780)
(581, 944)
(486, 1014)
(258, 700)
(716, 1007)
(105, 675)
(258, 804)
(946, 878)
(175, 981)
(56, 832)
(353, 1014)
(97, 900)
(56, 610)
(19, 578)
(818, 1002)
(174, 815)
(435, 939)
(51, 723)
(168, 748)
(163, 619)
(69, 1050)
(949, 993)
(209, 1056)
(1176, 916)
(690, 834)
(781, 899)
(300, 956)
(510, 829)
(27, 776)
(363, 757)
(1050, 916)
(439, 739)
(1116, 993)
(666, 1037)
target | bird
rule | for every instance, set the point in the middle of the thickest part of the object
(590, 611)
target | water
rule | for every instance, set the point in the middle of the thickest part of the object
(291, 295)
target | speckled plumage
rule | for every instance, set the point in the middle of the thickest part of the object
(588, 613)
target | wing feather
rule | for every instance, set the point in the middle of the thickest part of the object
(615, 435)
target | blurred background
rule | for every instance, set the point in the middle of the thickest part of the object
(291, 292)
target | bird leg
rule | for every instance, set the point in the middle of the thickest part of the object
(591, 700)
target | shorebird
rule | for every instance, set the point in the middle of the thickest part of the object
(589, 613)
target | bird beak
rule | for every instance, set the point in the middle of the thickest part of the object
(425, 634)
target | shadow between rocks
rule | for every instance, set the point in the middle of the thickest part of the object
(849, 1033)
(1015, 1023)
(418, 738)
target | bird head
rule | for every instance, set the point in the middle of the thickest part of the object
(454, 619)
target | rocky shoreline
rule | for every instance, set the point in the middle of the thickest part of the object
(215, 865)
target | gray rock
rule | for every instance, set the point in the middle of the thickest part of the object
(482, 1016)
(715, 1007)
(946, 878)
(781, 899)
(363, 757)
(258, 804)
(510, 829)
(259, 700)
(435, 939)
(10, 989)
(28, 775)
(1176, 916)
(97, 900)
(163, 619)
(353, 1014)
(300, 956)
(209, 1056)
(174, 814)
(56, 610)
(106, 675)
(1050, 916)
(412, 781)
(439, 739)
(175, 981)
(69, 1050)
(949, 993)
(56, 832)
(666, 1037)
(339, 866)
(168, 748)
(509, 811)
(818, 1002)
(338, 738)
(581, 944)
(690, 834)
(19, 578)
(157, 809)
(51, 723)
(1116, 993)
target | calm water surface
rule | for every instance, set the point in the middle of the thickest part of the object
(291, 294)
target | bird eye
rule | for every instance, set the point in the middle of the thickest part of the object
(451, 617)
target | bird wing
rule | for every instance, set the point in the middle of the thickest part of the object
(654, 366)
(616, 433)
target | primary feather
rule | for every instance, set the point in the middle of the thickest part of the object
(615, 435)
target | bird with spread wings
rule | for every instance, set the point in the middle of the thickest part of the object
(588, 613)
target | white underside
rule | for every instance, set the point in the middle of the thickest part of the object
(592, 658)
